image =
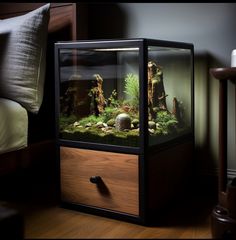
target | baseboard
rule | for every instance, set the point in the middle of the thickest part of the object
(231, 174)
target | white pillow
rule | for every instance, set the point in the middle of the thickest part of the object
(23, 42)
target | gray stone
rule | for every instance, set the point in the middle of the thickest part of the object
(123, 121)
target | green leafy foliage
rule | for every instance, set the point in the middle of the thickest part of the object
(112, 101)
(132, 89)
(167, 121)
(90, 119)
(109, 112)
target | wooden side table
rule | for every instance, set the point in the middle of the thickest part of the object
(223, 220)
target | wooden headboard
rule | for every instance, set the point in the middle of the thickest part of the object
(62, 15)
(63, 26)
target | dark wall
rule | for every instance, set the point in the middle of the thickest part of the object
(106, 20)
(211, 27)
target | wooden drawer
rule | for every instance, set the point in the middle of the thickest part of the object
(118, 190)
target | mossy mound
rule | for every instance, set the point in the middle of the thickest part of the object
(99, 135)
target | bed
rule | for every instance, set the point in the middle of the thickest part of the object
(27, 132)
(13, 126)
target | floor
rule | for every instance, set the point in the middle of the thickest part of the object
(54, 222)
(45, 218)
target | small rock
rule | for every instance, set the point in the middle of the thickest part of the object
(99, 124)
(151, 125)
(111, 122)
(135, 122)
(123, 121)
(88, 124)
(75, 124)
(151, 130)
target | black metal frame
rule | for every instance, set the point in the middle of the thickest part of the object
(142, 44)
(144, 149)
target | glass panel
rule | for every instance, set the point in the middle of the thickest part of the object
(99, 95)
(169, 93)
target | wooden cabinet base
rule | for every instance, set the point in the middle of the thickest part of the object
(130, 187)
(100, 179)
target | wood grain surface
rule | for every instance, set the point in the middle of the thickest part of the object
(119, 190)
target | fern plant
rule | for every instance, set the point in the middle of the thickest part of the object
(132, 89)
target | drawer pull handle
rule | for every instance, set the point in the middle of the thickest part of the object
(95, 179)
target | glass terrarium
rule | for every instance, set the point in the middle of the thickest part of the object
(124, 94)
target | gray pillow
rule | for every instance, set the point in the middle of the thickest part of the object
(23, 42)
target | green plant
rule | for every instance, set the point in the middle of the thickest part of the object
(167, 121)
(90, 119)
(66, 120)
(132, 89)
(112, 101)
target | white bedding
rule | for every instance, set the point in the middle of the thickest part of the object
(13, 126)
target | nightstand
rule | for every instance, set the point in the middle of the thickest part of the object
(224, 214)
(124, 125)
